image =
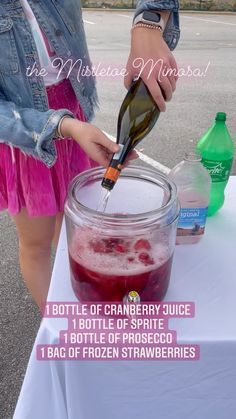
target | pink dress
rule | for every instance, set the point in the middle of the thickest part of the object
(27, 183)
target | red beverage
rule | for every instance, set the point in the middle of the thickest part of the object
(106, 269)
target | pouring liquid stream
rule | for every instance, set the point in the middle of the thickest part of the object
(103, 201)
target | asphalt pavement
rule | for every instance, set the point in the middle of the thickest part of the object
(207, 43)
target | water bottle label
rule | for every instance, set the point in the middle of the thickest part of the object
(192, 221)
(218, 170)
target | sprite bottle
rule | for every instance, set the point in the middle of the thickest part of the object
(217, 151)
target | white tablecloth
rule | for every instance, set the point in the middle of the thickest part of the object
(204, 273)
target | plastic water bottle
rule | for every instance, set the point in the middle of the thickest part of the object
(193, 185)
(217, 151)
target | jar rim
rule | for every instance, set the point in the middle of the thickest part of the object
(130, 171)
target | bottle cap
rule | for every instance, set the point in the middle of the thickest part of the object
(193, 156)
(221, 116)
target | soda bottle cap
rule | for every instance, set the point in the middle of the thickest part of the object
(221, 116)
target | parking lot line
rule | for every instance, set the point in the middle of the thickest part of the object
(89, 22)
(125, 16)
(153, 163)
(209, 20)
(145, 158)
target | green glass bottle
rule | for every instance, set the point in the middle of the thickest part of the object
(217, 151)
(138, 115)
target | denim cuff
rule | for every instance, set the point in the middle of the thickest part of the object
(172, 32)
(169, 5)
(45, 149)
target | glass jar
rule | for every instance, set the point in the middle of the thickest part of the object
(129, 247)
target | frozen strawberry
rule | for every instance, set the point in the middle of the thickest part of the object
(142, 244)
(130, 259)
(111, 244)
(112, 241)
(120, 248)
(99, 247)
(146, 259)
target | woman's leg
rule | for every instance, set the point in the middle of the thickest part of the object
(35, 240)
(58, 223)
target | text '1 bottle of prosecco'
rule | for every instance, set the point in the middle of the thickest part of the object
(217, 151)
(138, 115)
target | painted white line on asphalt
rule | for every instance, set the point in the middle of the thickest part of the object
(209, 20)
(89, 22)
(153, 163)
(145, 158)
(126, 16)
(225, 45)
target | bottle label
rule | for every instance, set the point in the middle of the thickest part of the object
(192, 221)
(218, 170)
(118, 154)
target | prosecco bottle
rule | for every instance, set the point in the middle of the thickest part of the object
(138, 115)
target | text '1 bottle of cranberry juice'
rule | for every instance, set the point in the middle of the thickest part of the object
(129, 247)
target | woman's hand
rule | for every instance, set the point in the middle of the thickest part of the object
(92, 140)
(150, 58)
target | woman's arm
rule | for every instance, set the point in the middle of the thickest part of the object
(34, 133)
(171, 7)
(150, 53)
(30, 130)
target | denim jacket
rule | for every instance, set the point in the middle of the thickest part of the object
(25, 118)
(172, 31)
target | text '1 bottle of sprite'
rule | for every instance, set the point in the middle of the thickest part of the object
(217, 151)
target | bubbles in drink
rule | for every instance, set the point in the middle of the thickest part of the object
(106, 268)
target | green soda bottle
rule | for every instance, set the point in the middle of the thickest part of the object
(217, 151)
